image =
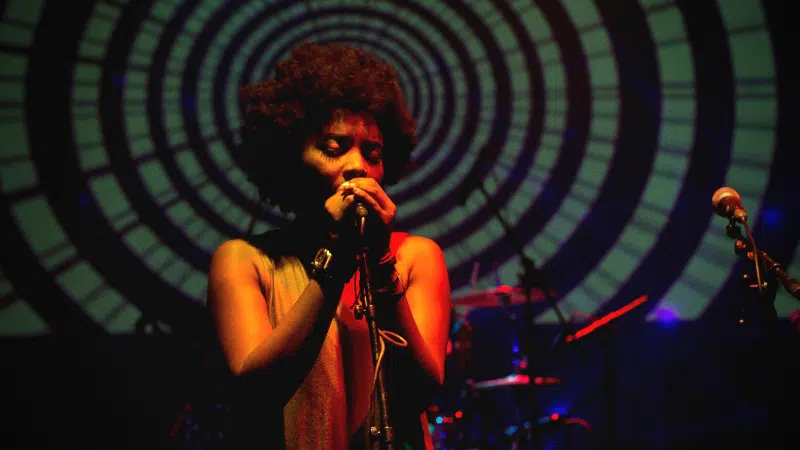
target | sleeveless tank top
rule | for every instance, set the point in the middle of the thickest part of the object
(329, 409)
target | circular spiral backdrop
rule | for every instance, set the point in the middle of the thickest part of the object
(600, 129)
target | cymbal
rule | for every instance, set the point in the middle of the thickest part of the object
(515, 379)
(497, 296)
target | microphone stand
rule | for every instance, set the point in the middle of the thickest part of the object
(529, 277)
(745, 246)
(767, 290)
(383, 434)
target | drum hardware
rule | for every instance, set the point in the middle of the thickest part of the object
(514, 380)
(449, 427)
(521, 432)
(605, 319)
(609, 378)
(530, 279)
(532, 285)
(498, 297)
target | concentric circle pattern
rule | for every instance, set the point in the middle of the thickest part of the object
(598, 129)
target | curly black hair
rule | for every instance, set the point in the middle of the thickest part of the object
(283, 112)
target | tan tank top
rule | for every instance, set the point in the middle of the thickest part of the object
(332, 403)
(325, 411)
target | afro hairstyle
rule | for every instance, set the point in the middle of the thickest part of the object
(282, 113)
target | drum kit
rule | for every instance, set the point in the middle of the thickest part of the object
(455, 420)
(468, 415)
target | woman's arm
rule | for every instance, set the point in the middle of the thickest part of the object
(252, 348)
(422, 317)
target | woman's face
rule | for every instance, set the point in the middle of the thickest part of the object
(349, 146)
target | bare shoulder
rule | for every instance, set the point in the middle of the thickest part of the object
(425, 272)
(419, 246)
(233, 252)
(236, 300)
(235, 248)
(418, 250)
(233, 265)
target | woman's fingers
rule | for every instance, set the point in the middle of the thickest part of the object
(367, 198)
(374, 189)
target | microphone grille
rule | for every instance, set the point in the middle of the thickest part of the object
(361, 210)
(722, 193)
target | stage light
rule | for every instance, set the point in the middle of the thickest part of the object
(772, 217)
(666, 316)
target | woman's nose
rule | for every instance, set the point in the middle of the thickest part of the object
(355, 165)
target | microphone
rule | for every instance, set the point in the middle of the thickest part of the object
(728, 203)
(361, 210)
(361, 213)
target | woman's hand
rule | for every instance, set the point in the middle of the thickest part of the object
(370, 192)
(338, 207)
(381, 217)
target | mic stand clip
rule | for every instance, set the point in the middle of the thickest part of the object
(744, 247)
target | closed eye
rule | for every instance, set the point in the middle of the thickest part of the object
(335, 145)
(373, 153)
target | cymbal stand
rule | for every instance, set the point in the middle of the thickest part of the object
(529, 278)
